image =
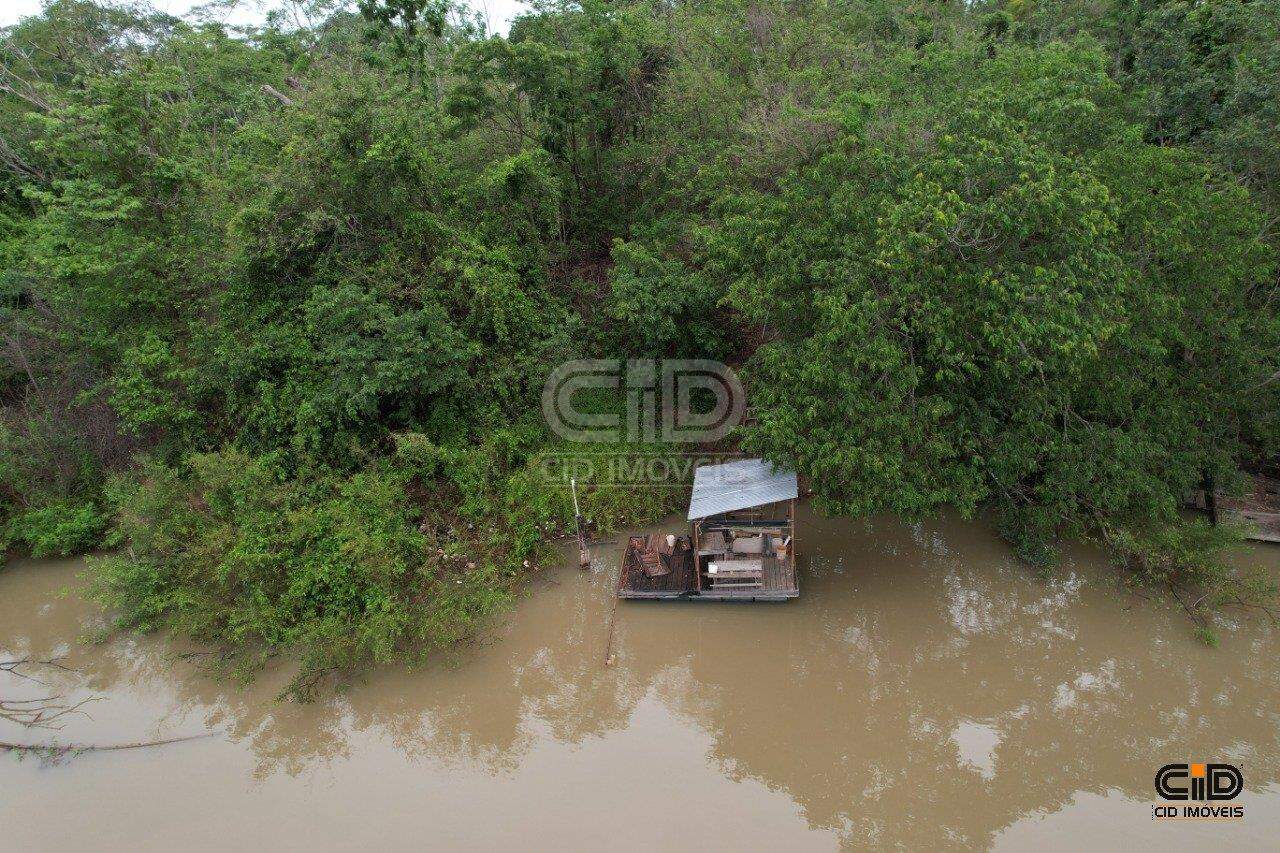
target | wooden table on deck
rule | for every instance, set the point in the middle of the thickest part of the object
(736, 573)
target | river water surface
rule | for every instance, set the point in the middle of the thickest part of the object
(926, 691)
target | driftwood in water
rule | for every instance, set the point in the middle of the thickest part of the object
(42, 712)
(13, 667)
(66, 749)
(45, 712)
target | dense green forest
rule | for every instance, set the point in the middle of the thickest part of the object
(278, 302)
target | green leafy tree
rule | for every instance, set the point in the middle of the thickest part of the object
(1034, 311)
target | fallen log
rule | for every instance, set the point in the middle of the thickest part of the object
(65, 749)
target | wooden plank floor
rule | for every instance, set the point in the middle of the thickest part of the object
(779, 583)
(634, 583)
(780, 576)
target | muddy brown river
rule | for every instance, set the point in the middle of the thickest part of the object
(926, 691)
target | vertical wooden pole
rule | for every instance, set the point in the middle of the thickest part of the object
(791, 552)
(584, 558)
(698, 560)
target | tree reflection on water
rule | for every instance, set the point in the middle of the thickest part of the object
(925, 691)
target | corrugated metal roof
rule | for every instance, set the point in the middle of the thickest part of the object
(738, 485)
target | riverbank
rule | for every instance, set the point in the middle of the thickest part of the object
(927, 691)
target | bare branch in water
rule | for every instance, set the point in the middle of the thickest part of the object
(46, 712)
(13, 666)
(42, 713)
(62, 750)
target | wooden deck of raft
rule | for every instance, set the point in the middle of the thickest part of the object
(779, 582)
